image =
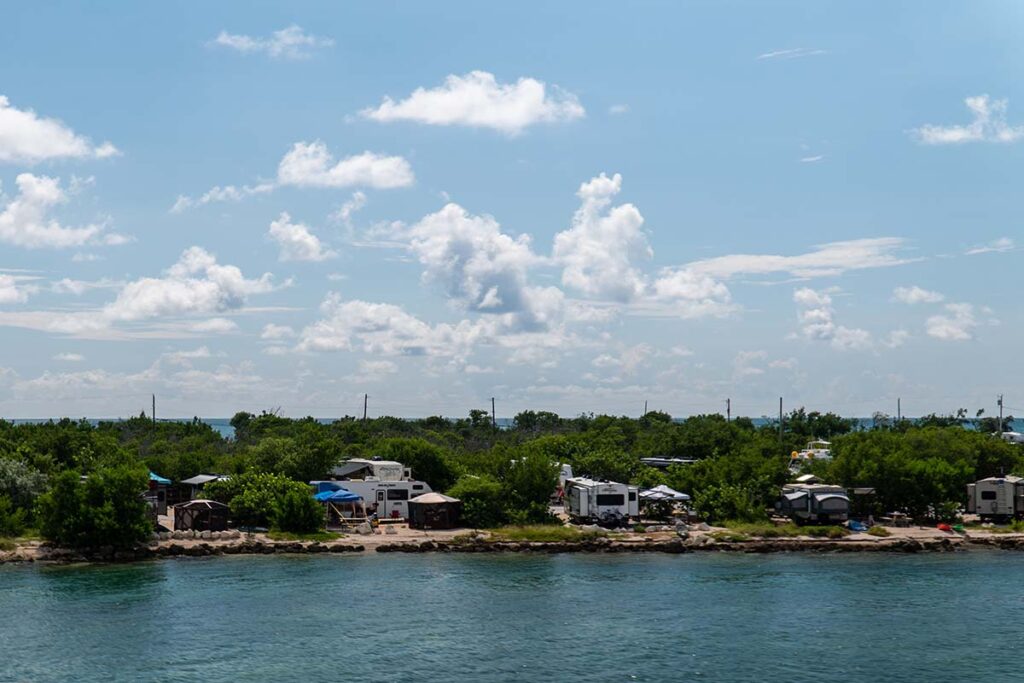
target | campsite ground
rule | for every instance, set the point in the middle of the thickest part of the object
(713, 538)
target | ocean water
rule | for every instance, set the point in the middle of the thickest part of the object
(434, 617)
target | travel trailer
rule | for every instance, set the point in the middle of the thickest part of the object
(996, 499)
(385, 485)
(816, 450)
(814, 503)
(604, 502)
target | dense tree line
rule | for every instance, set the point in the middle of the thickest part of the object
(503, 475)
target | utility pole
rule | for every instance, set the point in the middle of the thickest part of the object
(728, 410)
(1000, 402)
(899, 411)
(154, 409)
(780, 420)
(494, 420)
(645, 409)
(366, 398)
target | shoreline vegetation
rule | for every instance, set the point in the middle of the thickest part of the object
(71, 489)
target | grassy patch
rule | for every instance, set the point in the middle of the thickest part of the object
(729, 536)
(321, 536)
(768, 530)
(879, 531)
(543, 533)
(7, 544)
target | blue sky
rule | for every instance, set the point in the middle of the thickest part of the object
(566, 206)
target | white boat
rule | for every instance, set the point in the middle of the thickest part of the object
(815, 450)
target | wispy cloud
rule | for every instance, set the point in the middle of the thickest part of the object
(793, 53)
(812, 160)
(999, 245)
(989, 125)
(288, 43)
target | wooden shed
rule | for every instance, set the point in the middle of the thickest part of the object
(434, 511)
(201, 515)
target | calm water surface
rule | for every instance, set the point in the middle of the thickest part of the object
(517, 618)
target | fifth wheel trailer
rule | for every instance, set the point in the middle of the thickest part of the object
(997, 499)
(603, 502)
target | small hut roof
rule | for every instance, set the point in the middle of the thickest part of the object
(202, 504)
(433, 498)
(202, 479)
(662, 492)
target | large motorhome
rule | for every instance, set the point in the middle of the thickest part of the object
(820, 503)
(385, 485)
(603, 502)
(996, 499)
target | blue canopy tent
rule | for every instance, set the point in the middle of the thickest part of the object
(341, 497)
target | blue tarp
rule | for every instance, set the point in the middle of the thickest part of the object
(322, 486)
(153, 476)
(339, 496)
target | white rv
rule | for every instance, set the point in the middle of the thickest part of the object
(997, 499)
(603, 502)
(385, 485)
(1013, 437)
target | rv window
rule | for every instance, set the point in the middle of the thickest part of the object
(417, 487)
(988, 495)
(632, 495)
(611, 499)
(398, 494)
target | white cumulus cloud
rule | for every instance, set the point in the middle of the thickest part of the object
(296, 242)
(312, 165)
(815, 314)
(25, 220)
(479, 100)
(27, 138)
(600, 249)
(11, 292)
(195, 285)
(288, 43)
(916, 295)
(957, 324)
(989, 125)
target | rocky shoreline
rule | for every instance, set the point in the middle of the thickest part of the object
(700, 544)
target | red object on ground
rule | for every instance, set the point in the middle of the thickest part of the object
(945, 527)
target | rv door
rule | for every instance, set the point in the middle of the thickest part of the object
(382, 504)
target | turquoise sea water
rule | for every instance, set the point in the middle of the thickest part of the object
(517, 618)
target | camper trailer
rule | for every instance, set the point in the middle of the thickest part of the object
(385, 485)
(814, 503)
(603, 502)
(997, 499)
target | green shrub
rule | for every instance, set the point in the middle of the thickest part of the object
(726, 501)
(107, 509)
(296, 511)
(879, 531)
(12, 519)
(483, 501)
